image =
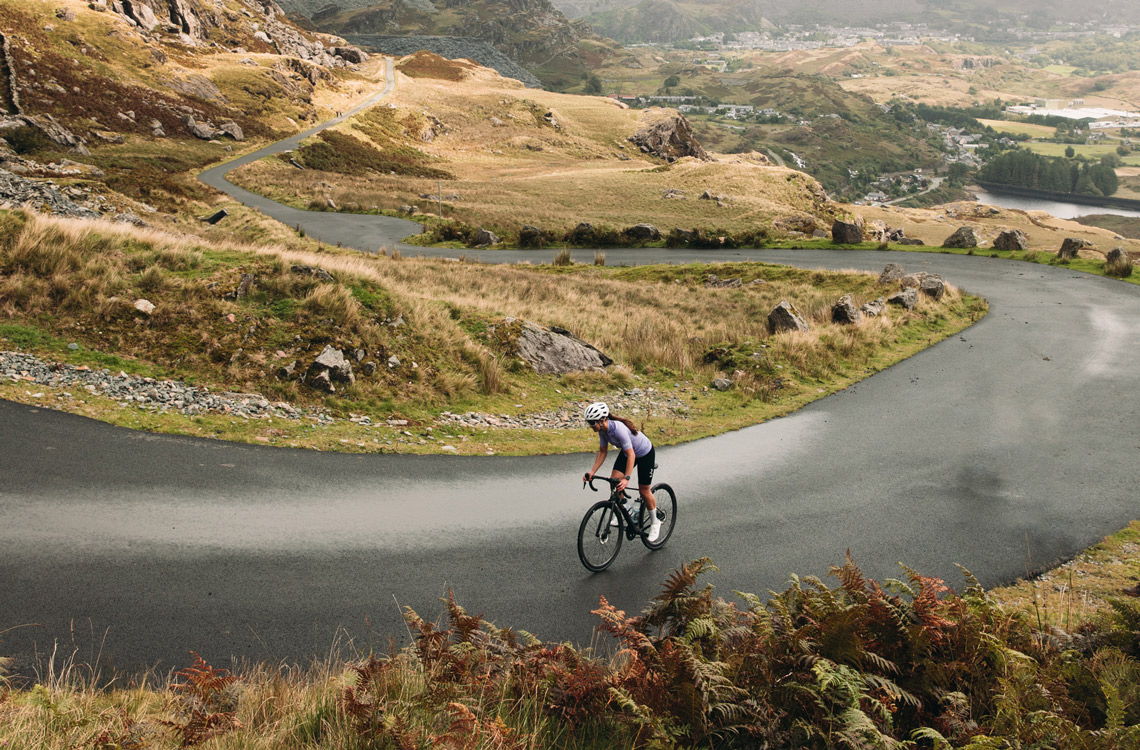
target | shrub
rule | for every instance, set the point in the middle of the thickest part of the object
(562, 258)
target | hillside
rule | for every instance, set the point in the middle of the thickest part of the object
(674, 20)
(532, 33)
(507, 151)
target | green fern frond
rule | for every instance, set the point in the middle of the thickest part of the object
(880, 663)
(892, 689)
(931, 736)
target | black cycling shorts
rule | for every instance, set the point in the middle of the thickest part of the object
(644, 465)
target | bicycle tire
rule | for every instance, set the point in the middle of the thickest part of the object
(598, 542)
(667, 505)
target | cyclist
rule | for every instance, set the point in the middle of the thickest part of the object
(634, 449)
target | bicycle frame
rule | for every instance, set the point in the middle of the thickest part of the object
(617, 505)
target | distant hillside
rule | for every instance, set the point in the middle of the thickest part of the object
(532, 33)
(673, 20)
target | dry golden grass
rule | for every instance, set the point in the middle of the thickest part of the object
(79, 279)
(514, 167)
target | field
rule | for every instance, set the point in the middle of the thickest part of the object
(1090, 151)
(1020, 128)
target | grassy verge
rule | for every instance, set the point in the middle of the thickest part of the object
(844, 663)
(1081, 591)
(429, 336)
(1093, 266)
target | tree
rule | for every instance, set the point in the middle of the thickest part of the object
(1070, 152)
(593, 84)
(671, 81)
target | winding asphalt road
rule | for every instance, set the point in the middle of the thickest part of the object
(1010, 446)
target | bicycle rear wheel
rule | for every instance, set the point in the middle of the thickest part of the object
(598, 542)
(666, 511)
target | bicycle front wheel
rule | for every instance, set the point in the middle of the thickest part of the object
(666, 511)
(598, 542)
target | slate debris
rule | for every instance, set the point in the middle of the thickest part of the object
(148, 393)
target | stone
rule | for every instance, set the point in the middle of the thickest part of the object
(333, 362)
(557, 351)
(722, 384)
(785, 317)
(712, 281)
(907, 298)
(215, 218)
(891, 272)
(1071, 248)
(911, 241)
(670, 138)
(844, 311)
(317, 273)
(932, 286)
(1117, 255)
(846, 232)
(321, 381)
(643, 232)
(198, 129)
(146, 307)
(916, 279)
(233, 130)
(350, 54)
(963, 238)
(393, 361)
(485, 237)
(874, 309)
(1011, 239)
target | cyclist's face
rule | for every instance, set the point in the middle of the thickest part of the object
(598, 425)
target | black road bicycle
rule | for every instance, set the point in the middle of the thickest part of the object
(599, 538)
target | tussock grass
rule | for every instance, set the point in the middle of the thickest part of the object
(442, 322)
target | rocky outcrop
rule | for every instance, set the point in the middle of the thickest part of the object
(643, 233)
(196, 22)
(785, 317)
(1071, 248)
(485, 237)
(670, 139)
(16, 191)
(846, 232)
(329, 369)
(891, 272)
(1011, 239)
(844, 311)
(875, 308)
(907, 298)
(556, 351)
(963, 238)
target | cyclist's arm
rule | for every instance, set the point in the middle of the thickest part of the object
(599, 459)
(630, 462)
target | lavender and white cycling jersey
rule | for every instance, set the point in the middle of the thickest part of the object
(618, 434)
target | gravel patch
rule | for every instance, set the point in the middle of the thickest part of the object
(634, 403)
(160, 396)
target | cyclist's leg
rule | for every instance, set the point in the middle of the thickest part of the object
(645, 466)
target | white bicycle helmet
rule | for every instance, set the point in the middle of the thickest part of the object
(597, 411)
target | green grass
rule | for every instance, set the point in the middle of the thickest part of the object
(1089, 151)
(1021, 128)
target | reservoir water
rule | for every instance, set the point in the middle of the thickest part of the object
(1056, 208)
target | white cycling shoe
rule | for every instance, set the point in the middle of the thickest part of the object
(654, 529)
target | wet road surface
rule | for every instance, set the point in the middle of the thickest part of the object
(1008, 446)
